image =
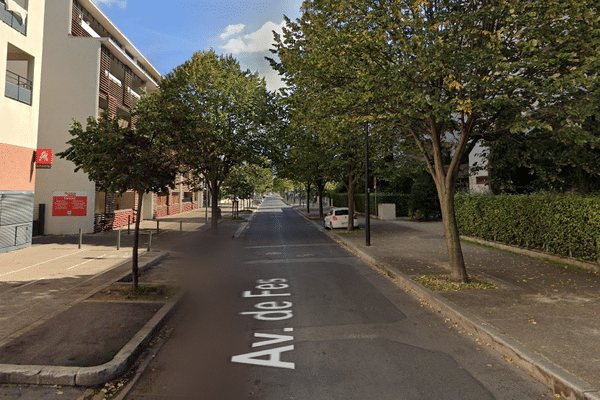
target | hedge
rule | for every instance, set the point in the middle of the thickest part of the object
(401, 201)
(565, 225)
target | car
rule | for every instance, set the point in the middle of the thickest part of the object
(337, 218)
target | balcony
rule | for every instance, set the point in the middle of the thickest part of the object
(16, 17)
(18, 88)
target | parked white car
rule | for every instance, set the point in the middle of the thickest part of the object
(337, 218)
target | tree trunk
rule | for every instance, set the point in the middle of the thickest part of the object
(458, 272)
(351, 188)
(308, 199)
(136, 242)
(320, 194)
(214, 221)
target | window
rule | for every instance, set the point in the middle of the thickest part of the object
(341, 212)
(19, 75)
(14, 13)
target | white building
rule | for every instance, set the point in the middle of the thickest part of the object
(89, 66)
(21, 45)
(479, 181)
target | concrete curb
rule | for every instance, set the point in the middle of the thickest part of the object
(91, 376)
(556, 378)
(535, 254)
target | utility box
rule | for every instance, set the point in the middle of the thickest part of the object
(386, 211)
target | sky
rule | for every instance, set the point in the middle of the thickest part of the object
(168, 32)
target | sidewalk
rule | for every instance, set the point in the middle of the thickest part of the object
(543, 315)
(49, 328)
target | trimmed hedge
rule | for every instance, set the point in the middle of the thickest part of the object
(401, 201)
(565, 225)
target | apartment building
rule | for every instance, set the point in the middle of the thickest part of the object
(89, 67)
(21, 32)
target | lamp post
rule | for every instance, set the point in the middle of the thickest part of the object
(367, 205)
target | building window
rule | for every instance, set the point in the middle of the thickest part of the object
(14, 13)
(19, 75)
(483, 180)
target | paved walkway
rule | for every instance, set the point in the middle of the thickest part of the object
(43, 280)
(551, 309)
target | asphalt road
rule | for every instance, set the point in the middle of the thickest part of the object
(283, 312)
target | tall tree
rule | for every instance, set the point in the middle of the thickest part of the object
(123, 158)
(220, 116)
(449, 73)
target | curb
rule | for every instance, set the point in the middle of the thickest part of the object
(91, 376)
(554, 377)
(534, 254)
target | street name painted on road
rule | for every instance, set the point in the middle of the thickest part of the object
(269, 311)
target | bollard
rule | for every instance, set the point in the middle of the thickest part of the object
(128, 224)
(119, 239)
(157, 226)
(149, 240)
(181, 227)
(80, 237)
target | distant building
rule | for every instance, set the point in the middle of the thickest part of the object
(21, 32)
(479, 180)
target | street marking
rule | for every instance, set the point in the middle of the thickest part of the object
(299, 260)
(274, 359)
(269, 311)
(85, 262)
(293, 245)
(40, 263)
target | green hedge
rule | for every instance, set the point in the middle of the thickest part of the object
(401, 201)
(565, 225)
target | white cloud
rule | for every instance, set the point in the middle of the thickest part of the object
(255, 42)
(120, 3)
(232, 30)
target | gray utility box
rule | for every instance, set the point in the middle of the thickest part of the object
(386, 212)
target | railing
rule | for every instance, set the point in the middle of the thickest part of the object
(9, 18)
(18, 88)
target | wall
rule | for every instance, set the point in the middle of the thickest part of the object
(18, 132)
(70, 81)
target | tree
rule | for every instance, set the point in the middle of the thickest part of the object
(123, 158)
(220, 116)
(449, 73)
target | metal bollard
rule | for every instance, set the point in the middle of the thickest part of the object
(119, 239)
(80, 237)
(181, 227)
(157, 227)
(128, 224)
(150, 241)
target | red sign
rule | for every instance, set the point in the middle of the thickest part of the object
(69, 204)
(43, 157)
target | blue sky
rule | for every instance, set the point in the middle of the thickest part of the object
(169, 32)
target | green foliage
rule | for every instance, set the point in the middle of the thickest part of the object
(220, 117)
(446, 74)
(423, 204)
(122, 159)
(566, 225)
(539, 161)
(246, 179)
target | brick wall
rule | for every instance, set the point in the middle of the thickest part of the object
(121, 218)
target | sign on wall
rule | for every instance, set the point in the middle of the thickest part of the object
(69, 204)
(43, 157)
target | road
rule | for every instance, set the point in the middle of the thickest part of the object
(283, 312)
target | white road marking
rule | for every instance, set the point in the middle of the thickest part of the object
(40, 263)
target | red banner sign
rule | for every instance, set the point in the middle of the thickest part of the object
(43, 157)
(69, 204)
